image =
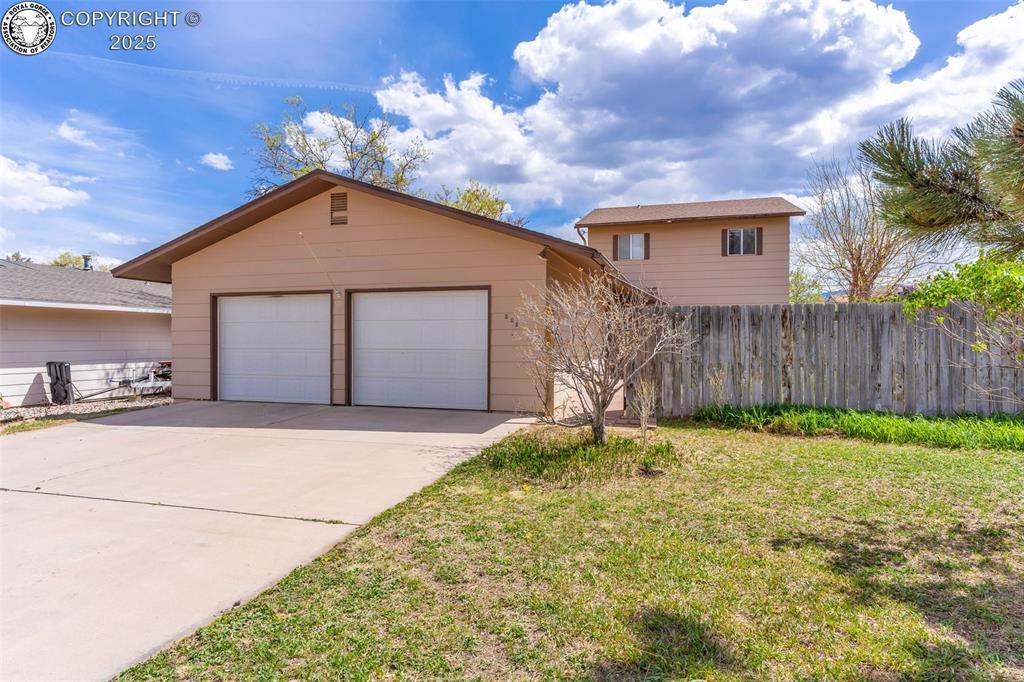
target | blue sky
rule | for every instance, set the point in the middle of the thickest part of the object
(561, 107)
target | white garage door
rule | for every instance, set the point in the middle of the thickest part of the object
(274, 348)
(420, 349)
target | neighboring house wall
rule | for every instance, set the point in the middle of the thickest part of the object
(100, 345)
(687, 267)
(384, 245)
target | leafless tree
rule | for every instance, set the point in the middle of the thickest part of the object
(848, 245)
(591, 336)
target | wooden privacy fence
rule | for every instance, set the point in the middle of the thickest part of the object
(865, 356)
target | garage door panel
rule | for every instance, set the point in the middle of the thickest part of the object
(421, 306)
(421, 335)
(274, 348)
(421, 393)
(275, 389)
(386, 364)
(420, 349)
(274, 334)
(298, 363)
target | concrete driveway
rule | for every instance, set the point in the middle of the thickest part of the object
(125, 533)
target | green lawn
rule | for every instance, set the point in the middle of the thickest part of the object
(747, 556)
(966, 431)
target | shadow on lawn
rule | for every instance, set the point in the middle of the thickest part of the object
(671, 646)
(961, 577)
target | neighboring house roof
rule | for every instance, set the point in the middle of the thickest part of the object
(699, 210)
(49, 286)
(155, 265)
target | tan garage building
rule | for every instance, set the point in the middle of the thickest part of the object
(330, 290)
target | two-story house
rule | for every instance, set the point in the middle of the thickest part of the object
(331, 290)
(708, 252)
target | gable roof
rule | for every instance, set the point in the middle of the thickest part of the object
(49, 286)
(155, 265)
(763, 207)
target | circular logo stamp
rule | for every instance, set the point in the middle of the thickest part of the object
(28, 28)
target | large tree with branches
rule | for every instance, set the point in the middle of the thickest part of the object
(477, 197)
(849, 244)
(968, 187)
(359, 144)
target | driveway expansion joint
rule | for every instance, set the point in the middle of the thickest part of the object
(166, 505)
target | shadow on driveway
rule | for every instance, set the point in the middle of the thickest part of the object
(245, 415)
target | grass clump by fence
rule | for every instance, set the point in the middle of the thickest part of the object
(568, 458)
(1000, 432)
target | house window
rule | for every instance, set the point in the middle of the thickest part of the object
(743, 241)
(631, 246)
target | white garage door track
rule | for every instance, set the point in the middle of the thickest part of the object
(125, 533)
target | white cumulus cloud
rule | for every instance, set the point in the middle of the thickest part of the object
(221, 162)
(75, 135)
(118, 238)
(646, 101)
(27, 187)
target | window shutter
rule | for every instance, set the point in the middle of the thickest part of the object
(725, 242)
(647, 245)
(339, 208)
(760, 245)
(615, 247)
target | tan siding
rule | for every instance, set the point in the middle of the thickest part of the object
(560, 270)
(100, 345)
(687, 266)
(385, 245)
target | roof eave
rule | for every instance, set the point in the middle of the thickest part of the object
(652, 221)
(71, 305)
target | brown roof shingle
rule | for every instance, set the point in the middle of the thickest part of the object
(697, 210)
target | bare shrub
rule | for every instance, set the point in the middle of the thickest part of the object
(998, 335)
(646, 396)
(593, 335)
(716, 380)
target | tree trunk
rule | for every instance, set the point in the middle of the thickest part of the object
(599, 429)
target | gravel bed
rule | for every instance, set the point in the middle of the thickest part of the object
(87, 407)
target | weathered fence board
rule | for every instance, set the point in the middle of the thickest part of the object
(861, 356)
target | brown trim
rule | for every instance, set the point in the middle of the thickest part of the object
(725, 241)
(348, 347)
(647, 245)
(383, 290)
(214, 328)
(759, 246)
(214, 350)
(306, 187)
(615, 247)
(662, 221)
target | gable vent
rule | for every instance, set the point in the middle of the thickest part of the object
(339, 208)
